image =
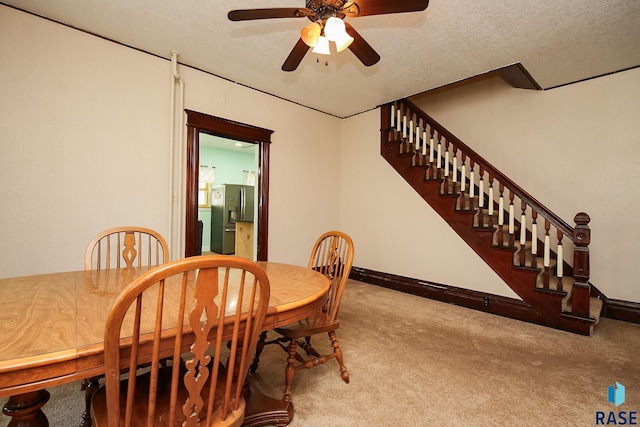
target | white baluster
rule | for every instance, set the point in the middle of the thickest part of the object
(547, 251)
(501, 210)
(410, 130)
(398, 121)
(393, 115)
(424, 142)
(404, 127)
(463, 178)
(523, 229)
(511, 219)
(560, 265)
(481, 193)
(534, 239)
(431, 150)
(446, 163)
(455, 168)
(472, 187)
(490, 201)
(417, 138)
(438, 161)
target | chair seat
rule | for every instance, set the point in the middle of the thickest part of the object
(141, 400)
(315, 324)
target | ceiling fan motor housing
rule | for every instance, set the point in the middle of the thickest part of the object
(325, 9)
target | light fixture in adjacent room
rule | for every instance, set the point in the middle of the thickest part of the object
(207, 174)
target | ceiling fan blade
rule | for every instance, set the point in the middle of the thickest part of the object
(381, 7)
(295, 57)
(361, 48)
(278, 12)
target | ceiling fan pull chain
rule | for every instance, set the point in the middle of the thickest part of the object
(326, 62)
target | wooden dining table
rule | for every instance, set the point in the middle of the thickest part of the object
(52, 332)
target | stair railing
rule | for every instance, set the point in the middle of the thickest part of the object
(536, 235)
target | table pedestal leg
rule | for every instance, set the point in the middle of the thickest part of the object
(25, 409)
(263, 410)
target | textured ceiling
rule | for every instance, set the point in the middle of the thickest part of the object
(558, 42)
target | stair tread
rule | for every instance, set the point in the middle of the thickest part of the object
(595, 308)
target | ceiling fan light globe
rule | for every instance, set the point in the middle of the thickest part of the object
(323, 46)
(310, 34)
(343, 42)
(334, 28)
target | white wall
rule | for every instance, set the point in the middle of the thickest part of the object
(84, 128)
(77, 154)
(574, 148)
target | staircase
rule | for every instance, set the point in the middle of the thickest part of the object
(537, 254)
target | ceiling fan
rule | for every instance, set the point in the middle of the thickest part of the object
(327, 24)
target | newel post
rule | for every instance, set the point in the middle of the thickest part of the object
(581, 289)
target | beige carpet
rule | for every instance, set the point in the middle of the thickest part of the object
(418, 362)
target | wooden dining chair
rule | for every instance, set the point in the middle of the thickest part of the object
(206, 313)
(122, 248)
(332, 255)
(126, 247)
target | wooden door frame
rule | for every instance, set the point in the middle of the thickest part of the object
(200, 122)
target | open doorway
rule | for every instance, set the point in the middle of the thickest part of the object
(199, 124)
(227, 196)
